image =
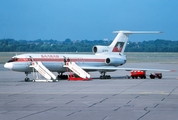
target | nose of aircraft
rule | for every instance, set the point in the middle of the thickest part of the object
(8, 65)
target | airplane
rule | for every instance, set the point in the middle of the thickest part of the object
(105, 59)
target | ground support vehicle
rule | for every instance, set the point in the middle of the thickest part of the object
(138, 74)
(156, 75)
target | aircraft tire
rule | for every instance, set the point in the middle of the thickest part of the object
(108, 77)
(62, 77)
(152, 76)
(27, 79)
(101, 77)
(105, 77)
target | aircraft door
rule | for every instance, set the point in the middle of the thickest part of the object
(28, 61)
(80, 60)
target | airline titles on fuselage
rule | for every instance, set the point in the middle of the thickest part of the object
(105, 51)
(49, 56)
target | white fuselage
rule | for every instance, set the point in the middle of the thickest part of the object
(55, 62)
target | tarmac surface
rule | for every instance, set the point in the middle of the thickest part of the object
(111, 99)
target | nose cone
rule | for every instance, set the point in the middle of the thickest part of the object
(8, 66)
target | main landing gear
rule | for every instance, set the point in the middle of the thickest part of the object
(104, 76)
(27, 79)
(61, 76)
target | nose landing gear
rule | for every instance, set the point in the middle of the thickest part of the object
(27, 79)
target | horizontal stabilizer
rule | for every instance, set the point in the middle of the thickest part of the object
(138, 32)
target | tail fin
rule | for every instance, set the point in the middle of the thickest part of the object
(120, 41)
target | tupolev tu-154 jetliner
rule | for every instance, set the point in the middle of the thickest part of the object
(105, 59)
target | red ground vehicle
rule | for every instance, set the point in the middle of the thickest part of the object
(156, 75)
(142, 74)
(138, 74)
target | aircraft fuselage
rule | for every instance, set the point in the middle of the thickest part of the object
(55, 62)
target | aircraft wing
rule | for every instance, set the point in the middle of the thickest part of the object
(112, 68)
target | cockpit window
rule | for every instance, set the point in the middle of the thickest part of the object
(13, 60)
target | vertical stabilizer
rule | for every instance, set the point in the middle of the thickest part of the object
(119, 43)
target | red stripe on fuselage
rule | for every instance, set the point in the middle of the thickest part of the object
(60, 60)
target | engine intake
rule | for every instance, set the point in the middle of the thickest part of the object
(100, 49)
(115, 61)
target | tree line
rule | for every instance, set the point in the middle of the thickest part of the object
(11, 45)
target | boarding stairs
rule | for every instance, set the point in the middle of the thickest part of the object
(39, 67)
(77, 70)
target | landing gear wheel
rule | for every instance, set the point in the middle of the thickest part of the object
(103, 76)
(27, 79)
(108, 77)
(61, 76)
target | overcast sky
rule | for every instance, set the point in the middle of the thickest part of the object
(87, 19)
